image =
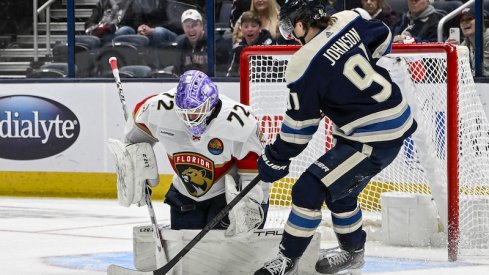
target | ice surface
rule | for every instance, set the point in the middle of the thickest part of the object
(80, 236)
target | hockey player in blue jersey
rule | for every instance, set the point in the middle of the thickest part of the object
(334, 74)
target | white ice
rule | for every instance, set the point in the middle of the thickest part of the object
(37, 235)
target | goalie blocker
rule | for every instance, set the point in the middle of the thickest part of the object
(136, 167)
(214, 254)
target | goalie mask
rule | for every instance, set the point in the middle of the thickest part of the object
(307, 11)
(195, 100)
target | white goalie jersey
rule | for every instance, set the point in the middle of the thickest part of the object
(230, 145)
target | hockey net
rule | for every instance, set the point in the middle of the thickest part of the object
(447, 157)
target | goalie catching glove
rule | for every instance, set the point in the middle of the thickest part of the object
(136, 167)
(247, 214)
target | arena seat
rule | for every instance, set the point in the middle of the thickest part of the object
(140, 41)
(92, 42)
(86, 51)
(129, 50)
(447, 7)
(51, 70)
(400, 6)
(135, 71)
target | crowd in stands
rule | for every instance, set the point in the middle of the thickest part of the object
(176, 39)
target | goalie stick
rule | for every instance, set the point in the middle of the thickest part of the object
(147, 194)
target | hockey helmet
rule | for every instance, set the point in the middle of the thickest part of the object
(307, 11)
(195, 99)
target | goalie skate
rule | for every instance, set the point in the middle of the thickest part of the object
(339, 261)
(281, 265)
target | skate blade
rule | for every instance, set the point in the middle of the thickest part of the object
(119, 270)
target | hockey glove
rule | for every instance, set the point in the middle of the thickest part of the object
(136, 168)
(247, 214)
(271, 169)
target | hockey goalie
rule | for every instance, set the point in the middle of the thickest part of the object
(213, 144)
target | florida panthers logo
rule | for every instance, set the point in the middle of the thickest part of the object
(196, 180)
(196, 172)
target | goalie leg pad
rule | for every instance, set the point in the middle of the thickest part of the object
(136, 167)
(147, 256)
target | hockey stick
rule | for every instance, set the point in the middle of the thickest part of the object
(115, 72)
(164, 269)
(147, 194)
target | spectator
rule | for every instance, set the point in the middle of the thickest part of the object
(240, 6)
(420, 22)
(253, 34)
(379, 9)
(175, 8)
(467, 25)
(193, 48)
(157, 35)
(107, 16)
(119, 17)
(147, 17)
(268, 11)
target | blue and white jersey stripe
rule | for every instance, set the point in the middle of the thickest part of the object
(383, 133)
(377, 117)
(344, 223)
(298, 132)
(302, 222)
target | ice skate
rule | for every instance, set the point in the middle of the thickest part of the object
(339, 261)
(281, 265)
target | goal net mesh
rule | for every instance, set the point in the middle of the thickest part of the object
(421, 166)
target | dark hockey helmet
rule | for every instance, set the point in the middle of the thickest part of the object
(308, 11)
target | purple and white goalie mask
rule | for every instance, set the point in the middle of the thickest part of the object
(195, 100)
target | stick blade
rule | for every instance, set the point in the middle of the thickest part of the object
(119, 270)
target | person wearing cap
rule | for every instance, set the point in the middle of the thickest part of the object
(379, 9)
(420, 22)
(193, 48)
(467, 25)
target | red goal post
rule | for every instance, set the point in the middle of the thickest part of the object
(436, 72)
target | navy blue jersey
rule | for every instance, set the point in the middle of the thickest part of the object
(335, 74)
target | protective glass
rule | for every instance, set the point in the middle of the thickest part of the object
(286, 28)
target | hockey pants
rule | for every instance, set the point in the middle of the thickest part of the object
(336, 178)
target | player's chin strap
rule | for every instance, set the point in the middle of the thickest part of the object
(302, 39)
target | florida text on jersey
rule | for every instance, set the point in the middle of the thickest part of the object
(230, 144)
